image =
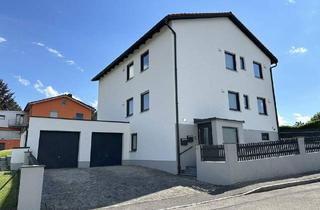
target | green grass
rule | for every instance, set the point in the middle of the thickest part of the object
(4, 153)
(9, 194)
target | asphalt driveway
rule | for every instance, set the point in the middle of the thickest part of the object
(105, 186)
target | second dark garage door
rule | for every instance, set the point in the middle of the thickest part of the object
(58, 149)
(106, 149)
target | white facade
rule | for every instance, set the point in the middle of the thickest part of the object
(203, 85)
(8, 118)
(84, 127)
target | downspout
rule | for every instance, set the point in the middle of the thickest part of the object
(274, 98)
(176, 95)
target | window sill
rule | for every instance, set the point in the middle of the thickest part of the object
(143, 70)
(235, 110)
(133, 151)
(142, 111)
(129, 116)
(129, 79)
(258, 78)
(262, 114)
(235, 70)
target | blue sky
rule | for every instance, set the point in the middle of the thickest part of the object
(53, 47)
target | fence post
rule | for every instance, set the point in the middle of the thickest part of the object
(30, 189)
(231, 153)
(302, 147)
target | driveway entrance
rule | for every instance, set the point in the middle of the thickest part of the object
(105, 186)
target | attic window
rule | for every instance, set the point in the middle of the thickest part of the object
(63, 102)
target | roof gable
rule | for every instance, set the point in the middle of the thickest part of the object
(66, 96)
(170, 17)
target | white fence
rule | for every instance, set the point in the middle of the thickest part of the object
(232, 171)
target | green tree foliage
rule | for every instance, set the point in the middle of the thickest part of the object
(7, 101)
(315, 117)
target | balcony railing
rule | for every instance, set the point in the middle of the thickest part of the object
(18, 123)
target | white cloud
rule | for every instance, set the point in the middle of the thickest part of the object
(23, 81)
(48, 91)
(59, 55)
(2, 39)
(292, 1)
(55, 52)
(282, 121)
(70, 62)
(301, 118)
(94, 104)
(38, 43)
(298, 50)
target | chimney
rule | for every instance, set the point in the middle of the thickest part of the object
(70, 95)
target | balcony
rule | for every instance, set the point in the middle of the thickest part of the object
(18, 123)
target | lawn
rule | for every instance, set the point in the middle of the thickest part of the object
(9, 193)
(4, 153)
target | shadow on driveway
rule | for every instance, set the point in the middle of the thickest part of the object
(104, 186)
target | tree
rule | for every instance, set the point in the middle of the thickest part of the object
(298, 124)
(315, 117)
(7, 101)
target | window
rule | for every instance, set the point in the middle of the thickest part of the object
(265, 136)
(145, 101)
(230, 61)
(246, 101)
(242, 63)
(257, 70)
(230, 135)
(145, 61)
(2, 117)
(129, 107)
(134, 137)
(54, 114)
(79, 116)
(262, 106)
(234, 101)
(130, 71)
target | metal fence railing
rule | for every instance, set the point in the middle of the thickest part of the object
(212, 153)
(261, 150)
(312, 144)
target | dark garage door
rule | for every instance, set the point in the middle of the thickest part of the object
(106, 149)
(58, 149)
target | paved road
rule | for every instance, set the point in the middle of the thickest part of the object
(299, 197)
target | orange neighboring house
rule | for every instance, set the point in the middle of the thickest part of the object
(63, 106)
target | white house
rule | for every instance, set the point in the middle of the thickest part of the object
(192, 78)
(11, 123)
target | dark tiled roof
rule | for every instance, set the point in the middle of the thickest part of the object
(170, 17)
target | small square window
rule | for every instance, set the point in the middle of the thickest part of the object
(246, 101)
(234, 104)
(145, 61)
(265, 136)
(53, 114)
(79, 116)
(129, 107)
(134, 138)
(145, 101)
(130, 71)
(257, 70)
(242, 63)
(262, 108)
(230, 61)
(2, 117)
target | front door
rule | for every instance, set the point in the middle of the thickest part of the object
(205, 133)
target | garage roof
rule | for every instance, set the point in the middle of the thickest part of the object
(170, 17)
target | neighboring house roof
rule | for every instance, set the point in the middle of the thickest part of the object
(170, 17)
(68, 96)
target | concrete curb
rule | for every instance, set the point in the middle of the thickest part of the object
(267, 188)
